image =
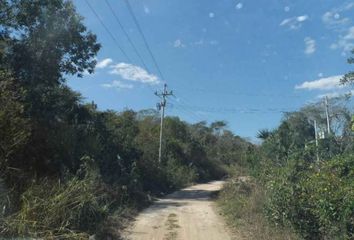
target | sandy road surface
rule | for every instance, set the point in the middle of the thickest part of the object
(184, 215)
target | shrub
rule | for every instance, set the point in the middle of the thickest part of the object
(330, 192)
(242, 202)
(179, 175)
(318, 201)
(51, 209)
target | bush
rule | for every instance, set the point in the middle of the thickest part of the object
(330, 193)
(318, 201)
(242, 202)
(51, 209)
(179, 175)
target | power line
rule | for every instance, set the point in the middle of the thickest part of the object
(107, 30)
(190, 113)
(126, 34)
(233, 93)
(237, 110)
(191, 116)
(129, 39)
(144, 39)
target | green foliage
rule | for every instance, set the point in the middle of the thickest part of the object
(14, 128)
(309, 186)
(242, 202)
(51, 209)
(42, 41)
(65, 165)
(125, 172)
(330, 193)
(264, 134)
(179, 175)
(47, 40)
(318, 204)
(348, 78)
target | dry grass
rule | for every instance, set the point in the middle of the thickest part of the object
(51, 210)
(241, 202)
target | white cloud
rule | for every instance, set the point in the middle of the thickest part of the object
(178, 44)
(310, 45)
(302, 18)
(134, 73)
(334, 19)
(339, 20)
(345, 42)
(104, 63)
(294, 22)
(117, 84)
(146, 9)
(286, 21)
(327, 83)
(348, 6)
(239, 5)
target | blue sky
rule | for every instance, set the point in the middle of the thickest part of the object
(240, 61)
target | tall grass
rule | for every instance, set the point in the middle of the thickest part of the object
(50, 209)
(242, 202)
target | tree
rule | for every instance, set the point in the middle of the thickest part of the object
(14, 127)
(264, 134)
(41, 42)
(349, 77)
(45, 40)
(218, 126)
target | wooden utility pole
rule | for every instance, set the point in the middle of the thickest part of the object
(163, 95)
(327, 116)
(316, 139)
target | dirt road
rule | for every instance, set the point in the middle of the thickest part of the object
(188, 214)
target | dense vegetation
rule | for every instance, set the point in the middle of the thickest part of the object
(298, 185)
(313, 196)
(67, 169)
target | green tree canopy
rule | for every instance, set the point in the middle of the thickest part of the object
(348, 78)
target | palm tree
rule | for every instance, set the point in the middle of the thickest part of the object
(264, 134)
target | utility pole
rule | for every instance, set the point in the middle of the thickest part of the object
(163, 95)
(327, 116)
(316, 139)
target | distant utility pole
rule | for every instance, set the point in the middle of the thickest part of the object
(161, 105)
(316, 139)
(327, 116)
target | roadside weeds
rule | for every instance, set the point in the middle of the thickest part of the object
(241, 203)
